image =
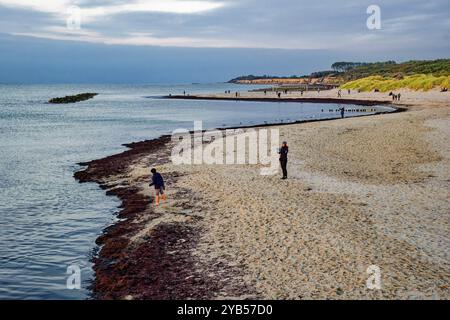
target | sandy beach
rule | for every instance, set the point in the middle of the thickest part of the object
(361, 192)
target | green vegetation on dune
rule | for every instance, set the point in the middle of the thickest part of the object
(437, 68)
(384, 76)
(384, 84)
(389, 75)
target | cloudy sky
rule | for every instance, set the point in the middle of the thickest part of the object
(191, 40)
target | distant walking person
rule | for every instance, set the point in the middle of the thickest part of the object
(283, 158)
(339, 93)
(342, 112)
(158, 182)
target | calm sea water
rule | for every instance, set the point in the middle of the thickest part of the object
(48, 220)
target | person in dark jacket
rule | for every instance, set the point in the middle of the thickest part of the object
(158, 183)
(283, 158)
(342, 112)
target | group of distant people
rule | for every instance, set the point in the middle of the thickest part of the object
(340, 92)
(395, 97)
(237, 94)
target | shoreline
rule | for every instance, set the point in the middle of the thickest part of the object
(293, 99)
(153, 260)
(158, 265)
(112, 241)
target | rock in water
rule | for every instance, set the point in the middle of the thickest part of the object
(74, 98)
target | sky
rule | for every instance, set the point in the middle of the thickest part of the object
(182, 41)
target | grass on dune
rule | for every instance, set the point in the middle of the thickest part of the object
(415, 82)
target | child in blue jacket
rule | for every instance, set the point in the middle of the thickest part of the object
(158, 182)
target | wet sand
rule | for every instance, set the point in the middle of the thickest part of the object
(361, 191)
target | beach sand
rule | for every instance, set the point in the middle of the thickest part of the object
(361, 192)
(408, 97)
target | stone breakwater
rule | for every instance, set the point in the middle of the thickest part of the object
(73, 99)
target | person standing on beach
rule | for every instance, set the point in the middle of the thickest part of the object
(158, 182)
(283, 151)
(342, 112)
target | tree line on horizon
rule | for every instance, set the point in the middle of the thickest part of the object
(349, 71)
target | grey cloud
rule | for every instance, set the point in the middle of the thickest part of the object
(407, 24)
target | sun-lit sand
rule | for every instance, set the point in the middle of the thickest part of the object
(361, 192)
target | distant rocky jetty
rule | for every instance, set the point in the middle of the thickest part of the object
(74, 98)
